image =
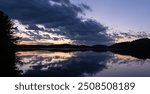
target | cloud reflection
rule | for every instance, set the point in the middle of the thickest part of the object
(47, 63)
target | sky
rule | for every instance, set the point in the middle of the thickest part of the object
(124, 15)
(78, 21)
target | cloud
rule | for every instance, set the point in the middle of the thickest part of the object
(61, 15)
(127, 36)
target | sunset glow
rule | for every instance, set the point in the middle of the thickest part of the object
(44, 42)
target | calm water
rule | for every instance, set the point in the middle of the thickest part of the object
(96, 64)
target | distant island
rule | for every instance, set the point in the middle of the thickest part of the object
(63, 47)
(138, 48)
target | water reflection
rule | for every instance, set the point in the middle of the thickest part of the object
(47, 63)
(126, 66)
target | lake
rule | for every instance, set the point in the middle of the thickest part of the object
(80, 64)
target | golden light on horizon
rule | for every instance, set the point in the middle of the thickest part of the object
(118, 40)
(46, 42)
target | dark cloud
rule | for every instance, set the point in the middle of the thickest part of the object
(60, 14)
(42, 11)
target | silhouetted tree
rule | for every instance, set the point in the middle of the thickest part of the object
(7, 40)
(7, 46)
